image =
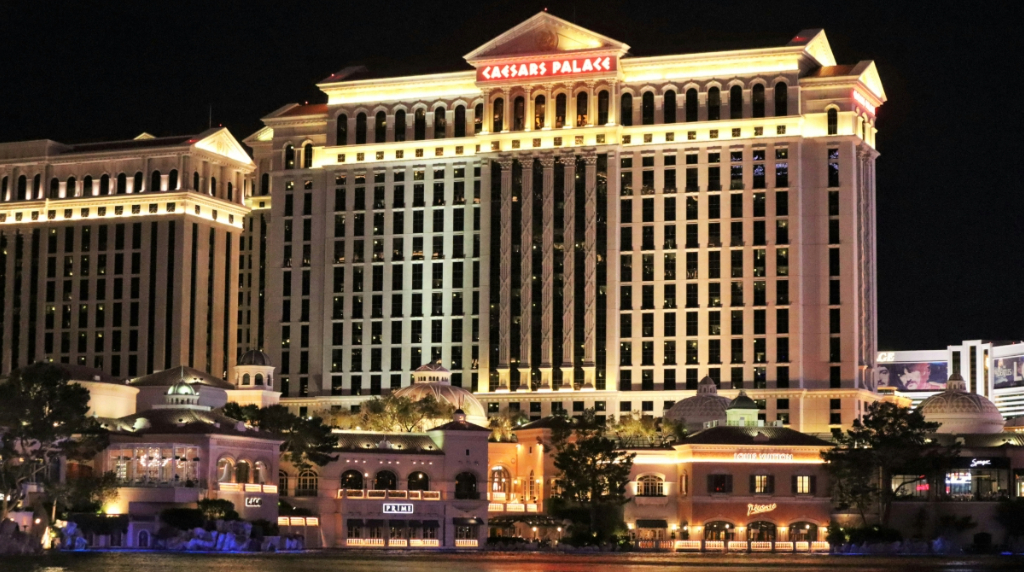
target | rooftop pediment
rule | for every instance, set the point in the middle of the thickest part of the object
(221, 142)
(544, 34)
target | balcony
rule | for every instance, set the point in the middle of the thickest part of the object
(466, 543)
(424, 543)
(376, 494)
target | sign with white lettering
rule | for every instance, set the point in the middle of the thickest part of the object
(753, 509)
(757, 457)
(884, 357)
(980, 462)
(254, 502)
(397, 508)
(547, 68)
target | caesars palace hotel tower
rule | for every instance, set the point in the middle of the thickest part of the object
(566, 226)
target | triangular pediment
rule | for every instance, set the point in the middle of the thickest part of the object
(221, 142)
(545, 34)
(869, 77)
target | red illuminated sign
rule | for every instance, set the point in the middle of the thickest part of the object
(546, 68)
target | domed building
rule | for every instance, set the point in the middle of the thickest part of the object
(960, 411)
(254, 381)
(434, 379)
(699, 409)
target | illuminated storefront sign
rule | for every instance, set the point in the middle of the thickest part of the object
(754, 457)
(253, 502)
(753, 509)
(397, 508)
(546, 68)
(981, 463)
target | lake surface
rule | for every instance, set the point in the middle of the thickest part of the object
(335, 561)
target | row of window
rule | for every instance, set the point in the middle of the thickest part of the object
(714, 295)
(103, 186)
(713, 105)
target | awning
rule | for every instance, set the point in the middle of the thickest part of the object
(651, 523)
(355, 522)
(431, 524)
(466, 521)
(374, 522)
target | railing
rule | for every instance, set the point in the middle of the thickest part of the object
(466, 543)
(515, 507)
(761, 546)
(398, 494)
(740, 545)
(714, 545)
(382, 494)
(246, 487)
(803, 546)
(495, 507)
(424, 542)
(498, 497)
(398, 542)
(784, 547)
(376, 494)
(431, 495)
(687, 545)
(364, 542)
(819, 547)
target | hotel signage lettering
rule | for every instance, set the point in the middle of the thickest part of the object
(980, 463)
(546, 68)
(397, 508)
(769, 457)
(753, 509)
(253, 502)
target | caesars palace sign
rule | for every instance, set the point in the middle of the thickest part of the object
(547, 68)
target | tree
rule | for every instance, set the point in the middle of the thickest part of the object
(307, 442)
(83, 494)
(593, 471)
(866, 457)
(214, 509)
(402, 414)
(504, 424)
(42, 422)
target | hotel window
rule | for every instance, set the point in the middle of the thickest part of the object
(757, 100)
(342, 130)
(400, 125)
(804, 484)
(737, 351)
(669, 106)
(460, 121)
(714, 104)
(833, 121)
(538, 112)
(440, 123)
(782, 354)
(735, 102)
(380, 127)
(691, 105)
(714, 295)
(478, 118)
(762, 484)
(833, 168)
(582, 105)
(650, 486)
(420, 124)
(647, 108)
(781, 99)
(782, 321)
(721, 484)
(518, 114)
(360, 129)
(626, 110)
(602, 107)
(289, 157)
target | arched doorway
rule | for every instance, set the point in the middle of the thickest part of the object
(761, 531)
(385, 481)
(803, 532)
(719, 530)
(419, 481)
(352, 480)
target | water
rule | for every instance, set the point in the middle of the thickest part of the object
(334, 561)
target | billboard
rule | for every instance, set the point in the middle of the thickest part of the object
(915, 376)
(1008, 371)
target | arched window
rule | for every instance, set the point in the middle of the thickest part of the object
(465, 486)
(714, 104)
(650, 486)
(86, 187)
(538, 111)
(231, 191)
(259, 473)
(670, 106)
(195, 174)
(289, 160)
(440, 123)
(833, 121)
(307, 156)
(352, 480)
(380, 127)
(258, 379)
(781, 99)
(105, 185)
(265, 184)
(242, 472)
(735, 102)
(757, 100)
(499, 115)
(500, 482)
(37, 186)
(602, 107)
(213, 186)
(460, 121)
(3, 189)
(803, 532)
(122, 184)
(419, 481)
(282, 483)
(560, 110)
(143, 539)
(361, 128)
(761, 531)
(172, 181)
(719, 530)
(307, 484)
(478, 118)
(72, 187)
(225, 471)
(400, 125)
(54, 188)
(518, 114)
(647, 108)
(385, 481)
(246, 380)
(419, 125)
(582, 109)
(691, 104)
(626, 113)
(342, 130)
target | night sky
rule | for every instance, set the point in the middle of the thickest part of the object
(950, 202)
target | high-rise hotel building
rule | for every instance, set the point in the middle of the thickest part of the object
(567, 226)
(123, 255)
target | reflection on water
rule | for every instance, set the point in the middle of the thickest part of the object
(491, 562)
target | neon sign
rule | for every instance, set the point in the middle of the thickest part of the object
(547, 68)
(864, 102)
(753, 509)
(253, 502)
(980, 462)
(397, 508)
(754, 457)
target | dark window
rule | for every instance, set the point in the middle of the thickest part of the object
(735, 102)
(833, 121)
(560, 110)
(518, 114)
(460, 121)
(582, 110)
(539, 109)
(626, 111)
(757, 100)
(289, 158)
(419, 124)
(781, 99)
(342, 129)
(499, 115)
(440, 123)
(602, 107)
(714, 104)
(691, 104)
(400, 125)
(647, 108)
(380, 127)
(360, 129)
(719, 484)
(307, 161)
(670, 106)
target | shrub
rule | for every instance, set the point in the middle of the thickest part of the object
(182, 518)
(262, 527)
(873, 535)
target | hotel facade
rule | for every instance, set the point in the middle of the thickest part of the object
(568, 226)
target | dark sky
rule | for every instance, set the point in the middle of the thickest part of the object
(950, 210)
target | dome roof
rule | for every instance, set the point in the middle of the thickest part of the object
(961, 412)
(434, 367)
(181, 388)
(458, 397)
(698, 409)
(254, 357)
(742, 402)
